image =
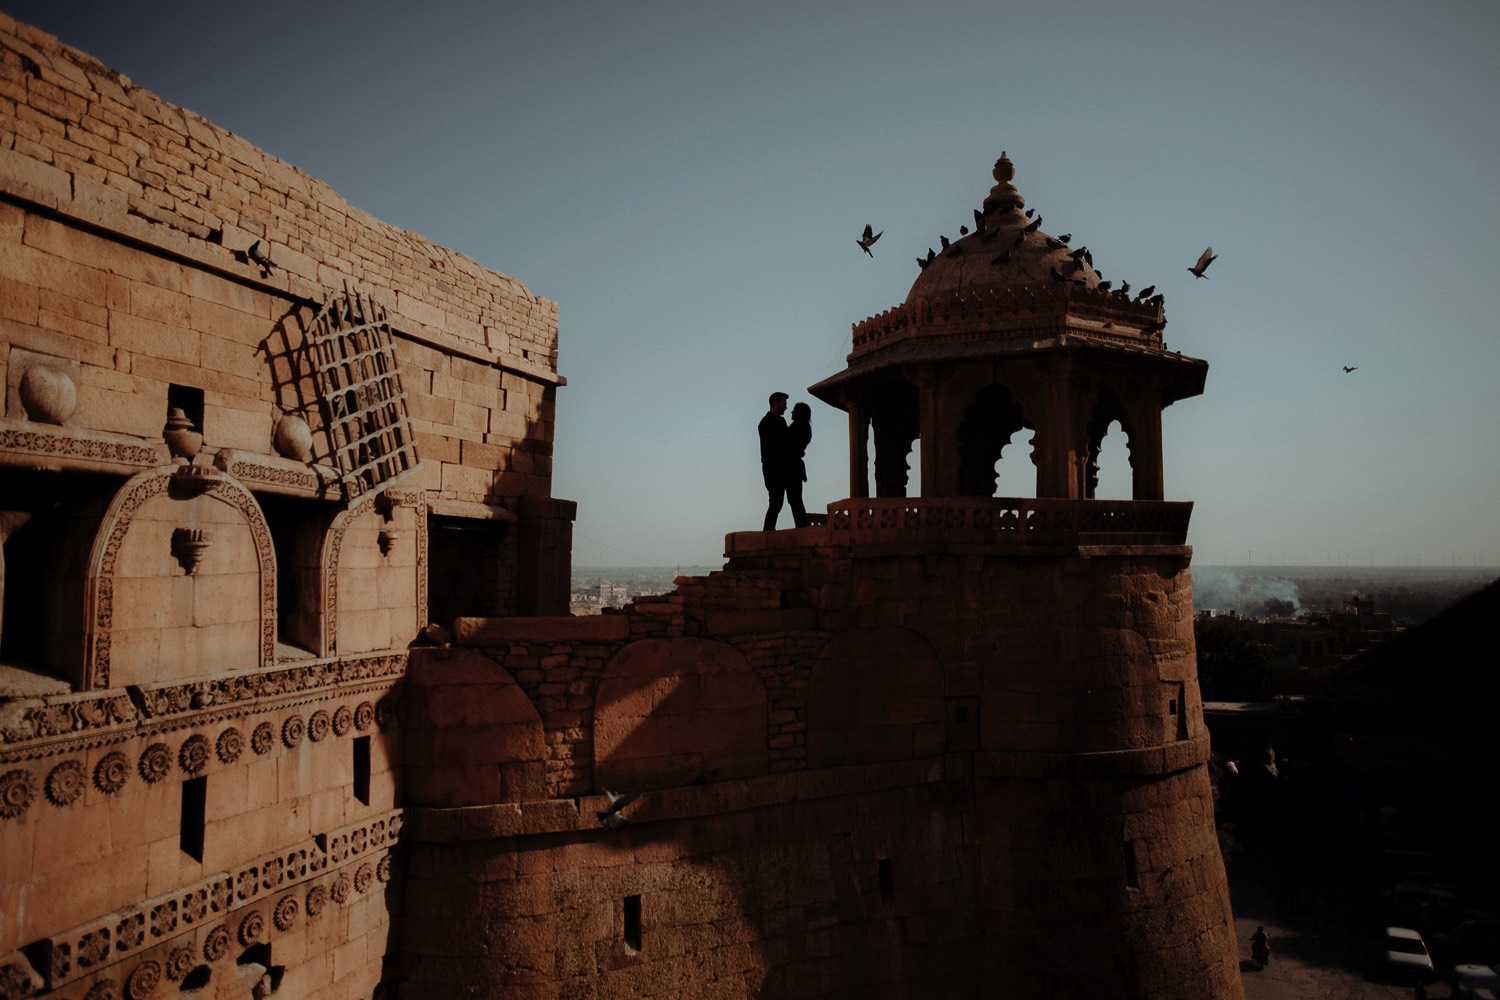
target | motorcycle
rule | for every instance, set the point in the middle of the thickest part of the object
(1260, 954)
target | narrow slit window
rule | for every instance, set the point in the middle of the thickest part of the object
(362, 769)
(633, 923)
(1132, 877)
(194, 803)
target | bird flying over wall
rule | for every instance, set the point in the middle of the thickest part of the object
(868, 239)
(1206, 258)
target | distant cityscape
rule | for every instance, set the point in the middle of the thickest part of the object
(595, 588)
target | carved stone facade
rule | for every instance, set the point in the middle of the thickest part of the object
(204, 643)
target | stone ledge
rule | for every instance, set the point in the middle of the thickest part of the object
(519, 819)
(553, 628)
(1167, 758)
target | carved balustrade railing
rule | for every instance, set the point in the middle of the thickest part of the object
(1003, 520)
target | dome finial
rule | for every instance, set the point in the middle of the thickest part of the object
(1004, 203)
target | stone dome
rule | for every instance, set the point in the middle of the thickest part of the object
(1001, 254)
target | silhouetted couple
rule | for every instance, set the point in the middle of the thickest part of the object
(781, 451)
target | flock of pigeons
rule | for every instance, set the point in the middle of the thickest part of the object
(1080, 256)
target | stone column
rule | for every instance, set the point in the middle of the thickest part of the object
(859, 452)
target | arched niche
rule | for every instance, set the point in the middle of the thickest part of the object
(472, 734)
(668, 710)
(989, 424)
(875, 695)
(1107, 410)
(374, 584)
(181, 582)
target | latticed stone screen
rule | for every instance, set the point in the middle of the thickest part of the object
(354, 360)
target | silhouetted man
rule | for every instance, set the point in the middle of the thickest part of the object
(775, 461)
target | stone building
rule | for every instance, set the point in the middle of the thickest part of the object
(942, 745)
(253, 440)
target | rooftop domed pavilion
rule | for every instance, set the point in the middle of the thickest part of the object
(1005, 329)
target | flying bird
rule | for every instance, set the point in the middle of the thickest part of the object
(1204, 259)
(612, 818)
(1347, 369)
(868, 239)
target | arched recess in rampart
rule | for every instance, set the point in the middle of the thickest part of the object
(669, 710)
(472, 735)
(181, 580)
(875, 695)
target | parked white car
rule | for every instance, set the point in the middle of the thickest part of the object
(1406, 955)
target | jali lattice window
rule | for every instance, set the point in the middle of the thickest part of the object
(354, 361)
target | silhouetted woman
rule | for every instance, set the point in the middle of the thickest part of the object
(799, 436)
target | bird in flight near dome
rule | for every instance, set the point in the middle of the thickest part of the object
(868, 239)
(612, 818)
(1204, 259)
(1347, 369)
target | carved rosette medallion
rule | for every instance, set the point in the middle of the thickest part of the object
(262, 739)
(285, 914)
(383, 869)
(143, 981)
(164, 918)
(16, 981)
(340, 889)
(111, 772)
(363, 877)
(156, 762)
(343, 719)
(364, 716)
(65, 783)
(317, 898)
(229, 745)
(180, 963)
(292, 731)
(319, 726)
(252, 928)
(105, 989)
(194, 754)
(16, 793)
(216, 944)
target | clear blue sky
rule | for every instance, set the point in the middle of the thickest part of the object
(688, 180)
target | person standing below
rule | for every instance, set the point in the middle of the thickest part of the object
(799, 436)
(775, 446)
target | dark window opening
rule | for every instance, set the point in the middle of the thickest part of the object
(633, 923)
(297, 529)
(471, 568)
(188, 399)
(887, 882)
(963, 714)
(1132, 877)
(194, 803)
(362, 769)
(1172, 707)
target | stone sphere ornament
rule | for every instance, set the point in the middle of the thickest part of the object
(293, 438)
(48, 394)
